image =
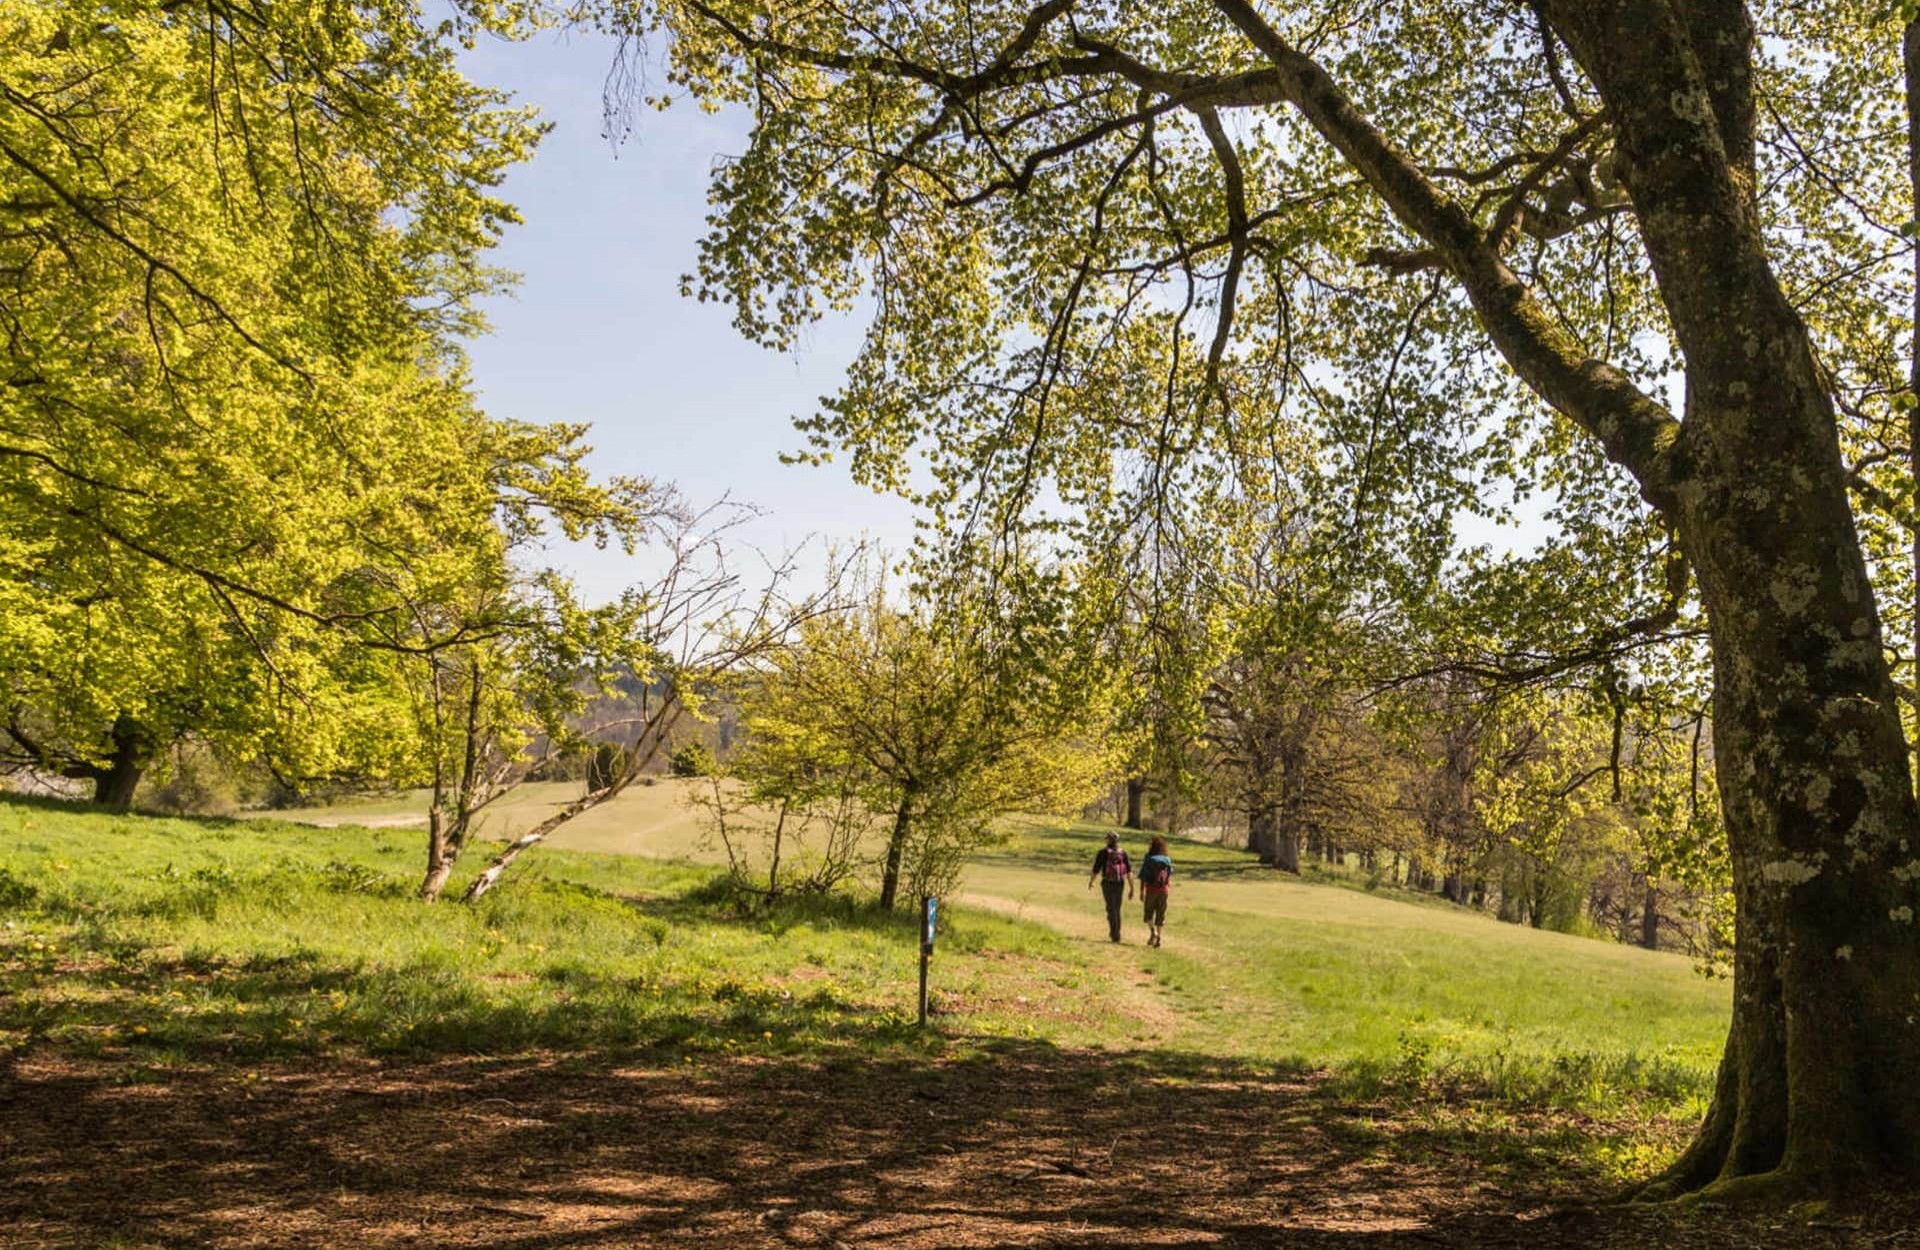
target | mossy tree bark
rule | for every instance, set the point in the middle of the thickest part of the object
(1810, 755)
(1809, 751)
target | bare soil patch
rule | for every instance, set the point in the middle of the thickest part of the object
(1025, 1146)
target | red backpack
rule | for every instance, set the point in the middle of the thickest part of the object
(1117, 868)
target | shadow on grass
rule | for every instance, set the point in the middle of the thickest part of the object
(992, 1145)
(195, 1010)
(719, 899)
(100, 993)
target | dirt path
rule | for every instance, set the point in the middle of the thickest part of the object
(404, 821)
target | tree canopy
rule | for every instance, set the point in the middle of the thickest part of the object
(238, 243)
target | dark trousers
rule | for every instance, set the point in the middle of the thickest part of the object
(1114, 891)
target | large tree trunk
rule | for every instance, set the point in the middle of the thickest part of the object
(1136, 790)
(896, 850)
(114, 785)
(1262, 828)
(1812, 767)
(1277, 841)
(114, 789)
(1809, 753)
(1286, 851)
(1650, 919)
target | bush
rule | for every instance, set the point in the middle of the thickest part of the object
(694, 759)
(194, 780)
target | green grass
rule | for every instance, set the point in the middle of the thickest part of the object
(1260, 966)
(170, 941)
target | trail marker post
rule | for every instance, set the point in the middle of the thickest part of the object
(929, 923)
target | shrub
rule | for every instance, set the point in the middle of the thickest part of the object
(694, 759)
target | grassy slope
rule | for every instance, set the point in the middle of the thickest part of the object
(178, 941)
(650, 819)
(1262, 966)
(261, 938)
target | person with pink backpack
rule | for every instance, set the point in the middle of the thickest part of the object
(1115, 875)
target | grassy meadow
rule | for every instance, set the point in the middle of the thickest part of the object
(177, 942)
(651, 819)
(1377, 986)
(165, 942)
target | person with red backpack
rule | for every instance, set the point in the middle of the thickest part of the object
(1156, 879)
(1115, 874)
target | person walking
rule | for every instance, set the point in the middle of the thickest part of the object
(1156, 879)
(1115, 875)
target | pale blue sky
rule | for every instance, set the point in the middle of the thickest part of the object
(599, 332)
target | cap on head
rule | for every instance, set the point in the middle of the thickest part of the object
(1113, 839)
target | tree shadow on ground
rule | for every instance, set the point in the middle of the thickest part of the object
(1012, 1145)
(145, 1006)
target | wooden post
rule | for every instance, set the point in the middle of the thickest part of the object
(929, 912)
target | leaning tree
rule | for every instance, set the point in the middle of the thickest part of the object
(1634, 253)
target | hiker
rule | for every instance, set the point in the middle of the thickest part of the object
(1156, 878)
(1115, 875)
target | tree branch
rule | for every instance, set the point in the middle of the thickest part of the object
(1635, 429)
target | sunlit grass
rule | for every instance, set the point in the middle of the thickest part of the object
(651, 818)
(191, 941)
(172, 942)
(1265, 967)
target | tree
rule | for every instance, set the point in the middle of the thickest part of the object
(514, 691)
(1621, 200)
(235, 244)
(1156, 641)
(949, 710)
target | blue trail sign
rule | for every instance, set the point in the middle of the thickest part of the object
(929, 925)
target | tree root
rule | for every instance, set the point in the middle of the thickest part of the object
(1782, 1187)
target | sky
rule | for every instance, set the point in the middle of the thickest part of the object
(598, 331)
